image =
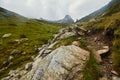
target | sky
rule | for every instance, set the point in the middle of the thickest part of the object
(53, 9)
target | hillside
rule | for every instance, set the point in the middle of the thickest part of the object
(110, 8)
(25, 36)
(39, 50)
(106, 28)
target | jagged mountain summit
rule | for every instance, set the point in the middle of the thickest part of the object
(66, 19)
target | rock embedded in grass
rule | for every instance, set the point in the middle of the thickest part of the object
(6, 35)
(64, 61)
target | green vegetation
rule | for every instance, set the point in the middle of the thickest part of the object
(92, 69)
(25, 36)
(116, 54)
(109, 26)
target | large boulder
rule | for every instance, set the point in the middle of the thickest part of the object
(64, 63)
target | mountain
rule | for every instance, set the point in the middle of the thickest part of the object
(110, 8)
(66, 19)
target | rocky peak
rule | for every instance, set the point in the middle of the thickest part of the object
(68, 19)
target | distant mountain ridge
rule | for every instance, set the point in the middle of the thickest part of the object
(110, 8)
(66, 19)
(9, 17)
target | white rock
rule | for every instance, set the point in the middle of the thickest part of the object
(67, 35)
(81, 33)
(10, 57)
(28, 66)
(114, 72)
(76, 43)
(47, 51)
(6, 35)
(52, 45)
(23, 72)
(103, 51)
(103, 78)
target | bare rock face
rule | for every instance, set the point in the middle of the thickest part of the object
(61, 64)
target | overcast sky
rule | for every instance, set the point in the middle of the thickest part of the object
(53, 9)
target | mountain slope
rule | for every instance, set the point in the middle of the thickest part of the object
(26, 36)
(8, 17)
(106, 28)
(110, 8)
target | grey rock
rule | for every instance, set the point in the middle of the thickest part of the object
(47, 51)
(58, 64)
(67, 35)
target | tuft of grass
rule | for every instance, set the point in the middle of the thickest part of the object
(116, 54)
(92, 69)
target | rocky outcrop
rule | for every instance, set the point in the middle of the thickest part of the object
(60, 64)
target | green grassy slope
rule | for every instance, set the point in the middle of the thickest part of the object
(37, 33)
(107, 10)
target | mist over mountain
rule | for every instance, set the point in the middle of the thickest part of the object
(66, 19)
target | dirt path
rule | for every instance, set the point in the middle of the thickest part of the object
(96, 42)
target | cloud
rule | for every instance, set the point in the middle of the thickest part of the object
(53, 9)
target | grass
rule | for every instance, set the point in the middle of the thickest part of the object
(37, 32)
(109, 25)
(116, 54)
(92, 69)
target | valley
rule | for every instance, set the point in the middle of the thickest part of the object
(89, 49)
